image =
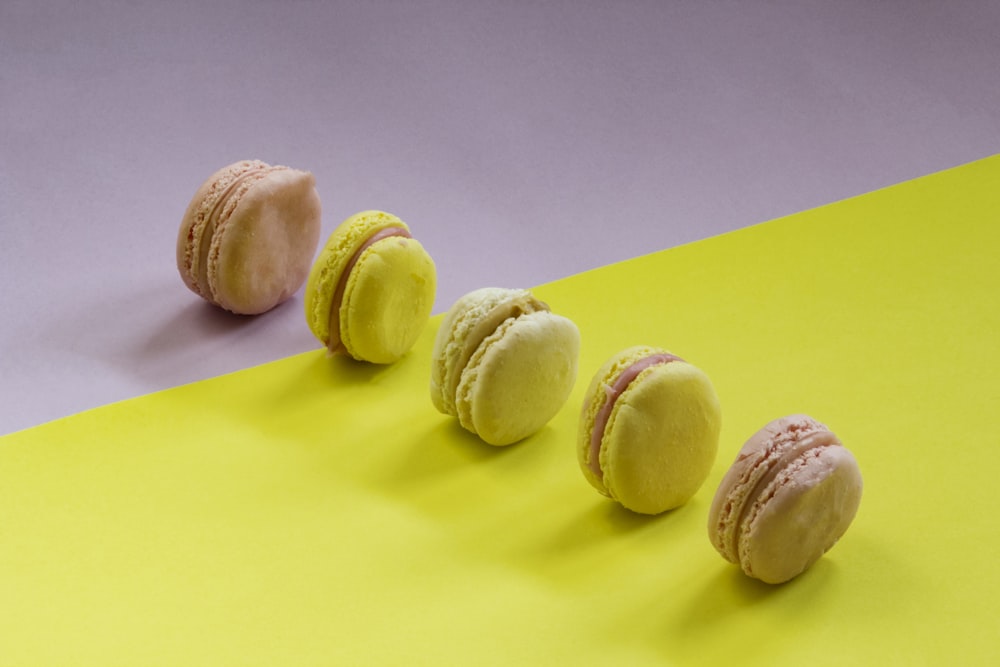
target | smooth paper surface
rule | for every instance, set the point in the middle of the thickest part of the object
(319, 511)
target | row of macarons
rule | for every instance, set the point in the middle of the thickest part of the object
(504, 364)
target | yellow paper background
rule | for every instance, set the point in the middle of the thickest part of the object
(319, 511)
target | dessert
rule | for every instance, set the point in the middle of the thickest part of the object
(791, 493)
(248, 236)
(649, 429)
(371, 290)
(503, 363)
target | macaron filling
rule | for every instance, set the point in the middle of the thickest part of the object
(335, 342)
(612, 392)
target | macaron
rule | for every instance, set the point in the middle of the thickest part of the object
(371, 289)
(248, 236)
(791, 493)
(649, 429)
(503, 363)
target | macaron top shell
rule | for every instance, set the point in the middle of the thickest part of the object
(762, 454)
(801, 515)
(503, 363)
(519, 377)
(332, 261)
(371, 290)
(198, 223)
(248, 235)
(387, 300)
(789, 496)
(661, 437)
(467, 323)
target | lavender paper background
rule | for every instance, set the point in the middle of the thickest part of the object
(522, 141)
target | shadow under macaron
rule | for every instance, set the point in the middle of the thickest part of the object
(194, 322)
(344, 368)
(166, 339)
(602, 519)
(728, 591)
(445, 449)
(448, 475)
(716, 603)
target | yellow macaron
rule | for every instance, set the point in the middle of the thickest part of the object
(503, 363)
(649, 429)
(371, 289)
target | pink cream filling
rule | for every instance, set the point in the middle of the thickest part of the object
(335, 342)
(612, 393)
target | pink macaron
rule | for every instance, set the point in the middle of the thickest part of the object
(789, 496)
(248, 236)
